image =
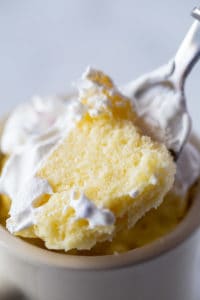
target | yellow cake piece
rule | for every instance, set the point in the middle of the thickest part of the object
(4, 208)
(154, 225)
(57, 226)
(108, 158)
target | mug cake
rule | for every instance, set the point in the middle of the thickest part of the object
(82, 175)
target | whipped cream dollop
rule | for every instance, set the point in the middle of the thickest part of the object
(91, 92)
(86, 209)
(37, 119)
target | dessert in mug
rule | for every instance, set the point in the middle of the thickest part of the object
(82, 174)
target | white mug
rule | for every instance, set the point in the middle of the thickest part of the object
(163, 270)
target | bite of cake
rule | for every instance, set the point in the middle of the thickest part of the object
(89, 173)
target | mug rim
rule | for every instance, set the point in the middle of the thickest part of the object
(38, 256)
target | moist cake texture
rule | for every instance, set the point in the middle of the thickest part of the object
(102, 182)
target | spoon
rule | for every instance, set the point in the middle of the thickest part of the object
(159, 97)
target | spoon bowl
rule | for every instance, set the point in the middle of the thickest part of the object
(159, 96)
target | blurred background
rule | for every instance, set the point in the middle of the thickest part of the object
(46, 45)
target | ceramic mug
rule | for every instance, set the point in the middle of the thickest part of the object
(162, 270)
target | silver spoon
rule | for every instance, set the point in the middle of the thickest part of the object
(159, 97)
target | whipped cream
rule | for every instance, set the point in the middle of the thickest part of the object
(91, 91)
(30, 120)
(23, 211)
(86, 209)
(134, 193)
(32, 131)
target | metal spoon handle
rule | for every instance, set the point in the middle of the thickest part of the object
(188, 53)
